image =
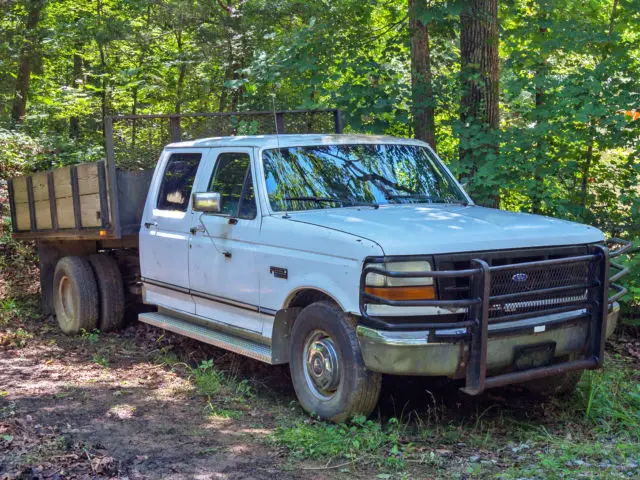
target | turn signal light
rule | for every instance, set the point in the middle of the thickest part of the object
(426, 292)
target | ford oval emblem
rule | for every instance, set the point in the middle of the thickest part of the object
(520, 278)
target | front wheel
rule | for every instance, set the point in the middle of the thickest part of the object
(327, 370)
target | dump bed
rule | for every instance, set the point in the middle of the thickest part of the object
(105, 200)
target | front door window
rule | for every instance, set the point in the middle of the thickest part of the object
(231, 178)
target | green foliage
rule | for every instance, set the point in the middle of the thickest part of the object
(568, 73)
(210, 381)
(15, 338)
(611, 400)
(358, 440)
(92, 337)
(632, 304)
(12, 309)
(207, 378)
(101, 360)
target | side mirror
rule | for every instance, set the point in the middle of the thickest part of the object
(208, 202)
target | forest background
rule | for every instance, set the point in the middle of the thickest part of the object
(533, 103)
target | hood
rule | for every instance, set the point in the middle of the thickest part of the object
(448, 228)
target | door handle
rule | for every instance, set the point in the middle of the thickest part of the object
(150, 224)
(196, 229)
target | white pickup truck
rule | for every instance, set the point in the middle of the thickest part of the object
(345, 256)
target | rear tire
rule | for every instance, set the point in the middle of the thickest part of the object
(111, 303)
(75, 295)
(327, 370)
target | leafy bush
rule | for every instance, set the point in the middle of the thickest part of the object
(19, 153)
(631, 302)
(23, 153)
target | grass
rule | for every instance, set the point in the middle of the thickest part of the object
(215, 411)
(356, 441)
(610, 400)
(595, 433)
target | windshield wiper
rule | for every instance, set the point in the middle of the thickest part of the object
(348, 201)
(428, 198)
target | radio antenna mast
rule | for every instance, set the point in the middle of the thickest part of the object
(275, 121)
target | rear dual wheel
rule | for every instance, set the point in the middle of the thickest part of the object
(110, 292)
(88, 294)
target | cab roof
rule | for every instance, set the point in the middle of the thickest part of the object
(292, 140)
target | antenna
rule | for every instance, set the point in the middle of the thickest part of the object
(275, 120)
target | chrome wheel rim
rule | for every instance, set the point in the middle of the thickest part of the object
(321, 364)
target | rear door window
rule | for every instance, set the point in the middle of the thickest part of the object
(177, 181)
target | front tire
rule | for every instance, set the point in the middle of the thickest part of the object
(327, 370)
(75, 295)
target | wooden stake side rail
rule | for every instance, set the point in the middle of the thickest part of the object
(61, 203)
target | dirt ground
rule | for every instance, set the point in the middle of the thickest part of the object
(73, 409)
(124, 405)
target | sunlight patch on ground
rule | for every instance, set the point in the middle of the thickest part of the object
(122, 412)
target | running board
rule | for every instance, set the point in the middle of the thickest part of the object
(213, 337)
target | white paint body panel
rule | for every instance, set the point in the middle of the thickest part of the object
(210, 272)
(164, 246)
(447, 228)
(321, 249)
(317, 258)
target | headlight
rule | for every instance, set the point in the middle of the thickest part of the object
(420, 288)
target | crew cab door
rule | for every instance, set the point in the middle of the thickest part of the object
(223, 277)
(165, 230)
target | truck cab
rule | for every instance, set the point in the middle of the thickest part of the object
(351, 256)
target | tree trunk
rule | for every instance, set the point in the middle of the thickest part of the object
(104, 94)
(589, 155)
(182, 73)
(74, 122)
(479, 57)
(424, 127)
(541, 73)
(479, 114)
(28, 55)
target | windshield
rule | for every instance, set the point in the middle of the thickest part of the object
(333, 176)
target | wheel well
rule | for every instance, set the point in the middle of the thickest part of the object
(305, 297)
(286, 317)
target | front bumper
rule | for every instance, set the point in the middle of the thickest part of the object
(555, 322)
(411, 353)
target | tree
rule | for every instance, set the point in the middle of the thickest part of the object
(423, 101)
(28, 58)
(479, 115)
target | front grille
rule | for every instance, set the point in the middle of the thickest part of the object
(519, 284)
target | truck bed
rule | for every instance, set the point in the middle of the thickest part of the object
(78, 202)
(100, 201)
